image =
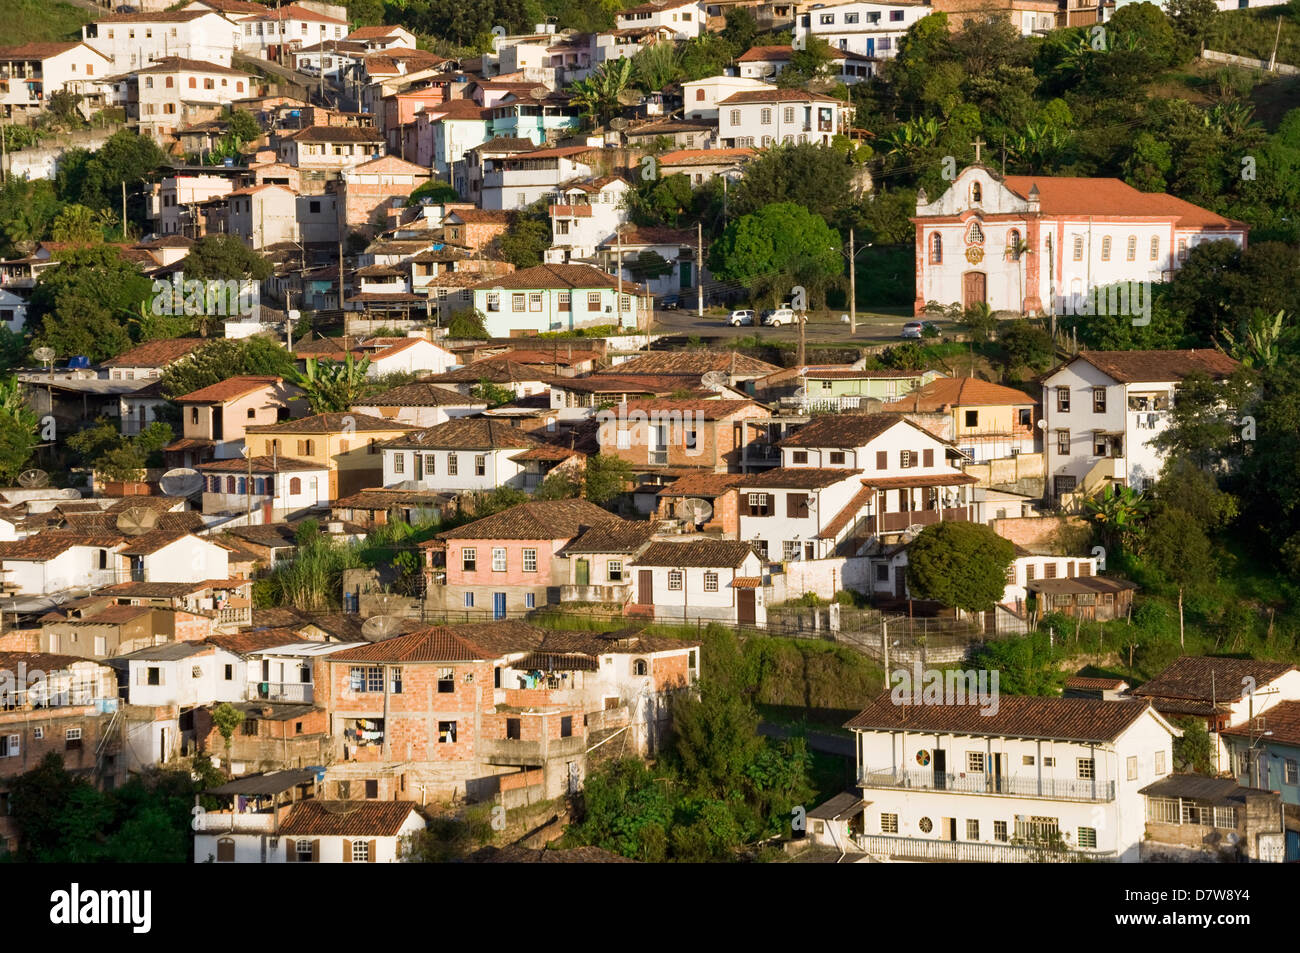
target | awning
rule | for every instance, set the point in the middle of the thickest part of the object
(747, 582)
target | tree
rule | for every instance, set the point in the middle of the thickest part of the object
(225, 258)
(1263, 339)
(527, 238)
(467, 325)
(79, 305)
(226, 718)
(1117, 513)
(434, 192)
(656, 65)
(494, 394)
(242, 125)
(1177, 548)
(558, 485)
(333, 386)
(979, 320)
(605, 478)
(78, 225)
(600, 96)
(95, 179)
(1025, 345)
(223, 358)
(806, 174)
(779, 243)
(1193, 21)
(1203, 421)
(962, 565)
(1194, 751)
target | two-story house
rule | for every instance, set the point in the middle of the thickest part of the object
(1103, 409)
(583, 215)
(686, 20)
(762, 118)
(33, 72)
(134, 40)
(468, 453)
(213, 418)
(346, 444)
(1265, 753)
(558, 298)
(867, 28)
(974, 776)
(175, 92)
(985, 420)
(322, 153)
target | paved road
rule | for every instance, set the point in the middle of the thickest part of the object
(817, 740)
(872, 328)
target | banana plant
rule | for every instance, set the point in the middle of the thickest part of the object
(1262, 339)
(1119, 513)
(332, 387)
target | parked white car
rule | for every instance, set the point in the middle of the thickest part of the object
(741, 317)
(780, 317)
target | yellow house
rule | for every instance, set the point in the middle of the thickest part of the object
(347, 444)
(986, 421)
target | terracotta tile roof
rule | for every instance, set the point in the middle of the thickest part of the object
(347, 818)
(292, 11)
(455, 109)
(481, 216)
(37, 661)
(338, 134)
(174, 64)
(1017, 716)
(698, 553)
(776, 96)
(275, 464)
(229, 389)
(1192, 684)
(421, 394)
(706, 485)
(186, 520)
(148, 543)
(670, 127)
(706, 408)
(247, 641)
(654, 236)
(849, 373)
(796, 478)
(373, 32)
(555, 276)
(169, 590)
(1086, 682)
(538, 519)
(1130, 367)
(929, 479)
(385, 499)
(155, 353)
(651, 384)
(434, 644)
(845, 431)
(38, 51)
(845, 516)
(173, 16)
(493, 370)
(694, 362)
(1063, 195)
(111, 615)
(1283, 719)
(625, 537)
(500, 637)
(465, 433)
(332, 423)
(945, 392)
(50, 543)
(765, 53)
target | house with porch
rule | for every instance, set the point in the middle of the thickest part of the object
(982, 777)
(1265, 753)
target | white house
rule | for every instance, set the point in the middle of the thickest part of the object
(675, 246)
(762, 118)
(685, 20)
(184, 674)
(174, 91)
(50, 562)
(583, 215)
(701, 579)
(700, 97)
(557, 298)
(133, 40)
(1028, 243)
(970, 775)
(1103, 409)
(175, 556)
(34, 72)
(468, 453)
(174, 205)
(518, 180)
(281, 487)
(869, 29)
(409, 355)
(279, 31)
(264, 215)
(421, 404)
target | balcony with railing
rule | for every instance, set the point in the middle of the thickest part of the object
(971, 852)
(514, 751)
(1054, 789)
(298, 693)
(898, 522)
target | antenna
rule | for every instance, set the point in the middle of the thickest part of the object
(137, 520)
(33, 479)
(693, 510)
(714, 380)
(382, 627)
(181, 481)
(45, 355)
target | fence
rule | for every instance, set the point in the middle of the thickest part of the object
(1248, 62)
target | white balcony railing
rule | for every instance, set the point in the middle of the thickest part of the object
(1056, 789)
(971, 852)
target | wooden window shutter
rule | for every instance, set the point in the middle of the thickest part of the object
(347, 852)
(882, 459)
(370, 854)
(928, 458)
(315, 851)
(290, 851)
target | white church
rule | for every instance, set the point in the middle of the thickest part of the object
(1024, 242)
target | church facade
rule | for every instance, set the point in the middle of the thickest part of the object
(1030, 243)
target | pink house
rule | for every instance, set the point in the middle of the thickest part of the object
(214, 418)
(505, 564)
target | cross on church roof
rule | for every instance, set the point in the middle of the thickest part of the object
(979, 143)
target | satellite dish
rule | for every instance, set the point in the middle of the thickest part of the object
(137, 520)
(618, 123)
(800, 393)
(44, 354)
(539, 92)
(629, 97)
(33, 479)
(381, 627)
(715, 380)
(181, 481)
(693, 510)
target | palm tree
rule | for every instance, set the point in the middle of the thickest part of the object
(1018, 249)
(1118, 512)
(331, 387)
(601, 94)
(912, 137)
(1038, 145)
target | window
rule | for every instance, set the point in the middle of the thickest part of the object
(1160, 762)
(796, 505)
(972, 418)
(799, 456)
(1182, 249)
(675, 579)
(72, 739)
(226, 850)
(882, 460)
(518, 301)
(765, 117)
(229, 673)
(758, 504)
(399, 463)
(530, 560)
(1291, 771)
(1063, 441)
(976, 195)
(1000, 831)
(1085, 769)
(304, 850)
(565, 301)
(639, 667)
(975, 761)
(975, 234)
(498, 559)
(593, 300)
(1132, 764)
(1049, 762)
(534, 301)
(469, 600)
(615, 569)
(446, 681)
(1105, 248)
(1087, 837)
(453, 464)
(1155, 247)
(936, 249)
(469, 559)
(972, 829)
(1063, 400)
(361, 848)
(828, 18)
(837, 458)
(480, 464)
(1049, 570)
(493, 301)
(790, 550)
(895, 16)
(850, 18)
(906, 459)
(1078, 248)
(735, 117)
(1130, 253)
(566, 726)
(9, 746)
(366, 678)
(889, 823)
(530, 600)
(512, 729)
(882, 572)
(1013, 245)
(1099, 400)
(1027, 760)
(710, 582)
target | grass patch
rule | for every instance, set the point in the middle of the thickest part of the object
(40, 21)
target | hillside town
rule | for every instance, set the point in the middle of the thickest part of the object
(698, 431)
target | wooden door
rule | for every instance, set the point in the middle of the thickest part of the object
(582, 572)
(974, 288)
(645, 587)
(746, 610)
(940, 769)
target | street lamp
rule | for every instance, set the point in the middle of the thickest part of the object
(853, 282)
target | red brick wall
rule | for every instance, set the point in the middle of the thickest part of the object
(668, 671)
(191, 627)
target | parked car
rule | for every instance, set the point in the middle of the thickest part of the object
(779, 317)
(743, 316)
(913, 330)
(669, 303)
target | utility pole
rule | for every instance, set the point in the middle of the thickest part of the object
(803, 323)
(699, 271)
(853, 289)
(341, 280)
(618, 237)
(1272, 60)
(123, 209)
(249, 495)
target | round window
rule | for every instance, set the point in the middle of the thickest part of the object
(923, 758)
(926, 825)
